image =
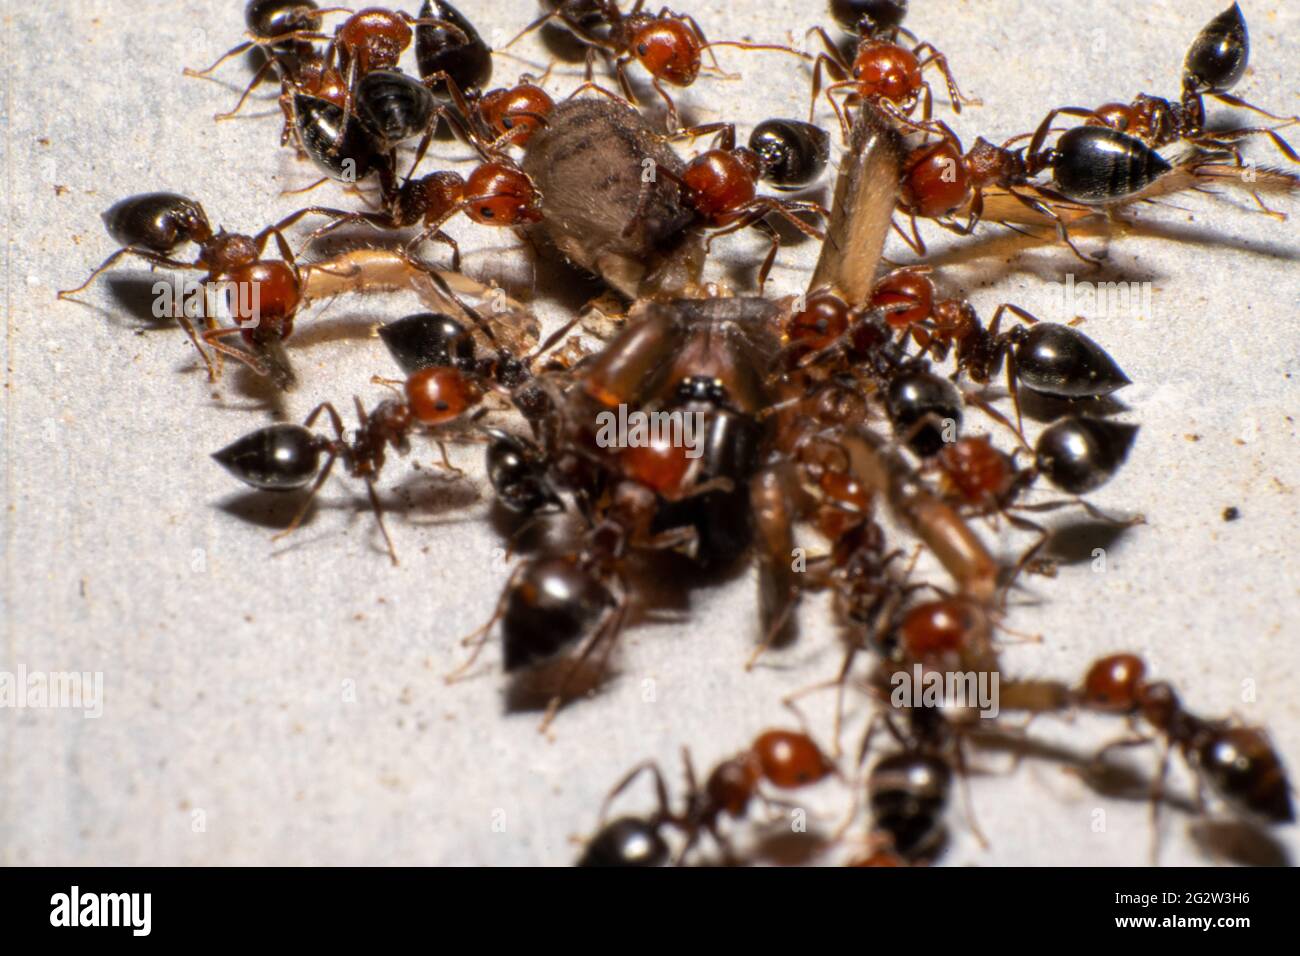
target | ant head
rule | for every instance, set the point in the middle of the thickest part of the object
(1218, 56)
(822, 321)
(936, 181)
(440, 394)
(976, 471)
(668, 49)
(790, 759)
(906, 296)
(887, 70)
(521, 110)
(500, 195)
(227, 251)
(373, 39)
(720, 182)
(1115, 684)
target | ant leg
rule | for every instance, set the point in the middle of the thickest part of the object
(768, 260)
(967, 799)
(941, 62)
(1157, 797)
(817, 79)
(1238, 101)
(311, 496)
(212, 339)
(150, 257)
(672, 120)
(607, 634)
(597, 88)
(661, 789)
(851, 86)
(1225, 138)
(378, 509)
(253, 84)
(306, 189)
(727, 141)
(916, 244)
(437, 235)
(478, 637)
(1062, 230)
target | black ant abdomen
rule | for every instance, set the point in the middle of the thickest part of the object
(1058, 360)
(920, 404)
(276, 18)
(1097, 165)
(793, 153)
(1079, 453)
(428, 339)
(394, 106)
(452, 50)
(336, 142)
(1218, 56)
(627, 841)
(869, 17)
(157, 221)
(518, 475)
(551, 603)
(1241, 766)
(909, 792)
(280, 457)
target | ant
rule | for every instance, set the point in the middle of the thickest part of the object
(152, 226)
(1215, 62)
(283, 30)
(721, 186)
(1237, 763)
(1046, 357)
(496, 193)
(883, 72)
(449, 52)
(668, 45)
(784, 759)
(287, 457)
(1089, 165)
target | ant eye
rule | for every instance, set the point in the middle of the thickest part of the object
(642, 49)
(486, 212)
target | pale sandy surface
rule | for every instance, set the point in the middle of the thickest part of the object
(295, 696)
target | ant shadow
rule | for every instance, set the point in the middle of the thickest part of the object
(1234, 841)
(1010, 249)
